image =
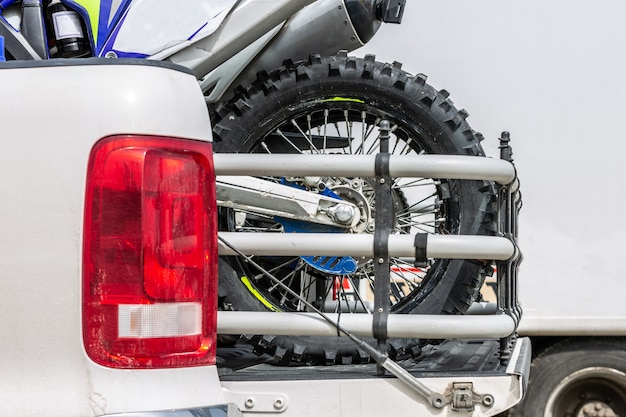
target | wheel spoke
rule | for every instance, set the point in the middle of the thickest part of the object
(307, 137)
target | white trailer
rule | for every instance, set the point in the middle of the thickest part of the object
(551, 73)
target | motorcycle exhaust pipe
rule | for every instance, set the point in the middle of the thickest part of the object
(367, 15)
(327, 27)
(324, 27)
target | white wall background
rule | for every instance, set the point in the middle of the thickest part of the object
(552, 73)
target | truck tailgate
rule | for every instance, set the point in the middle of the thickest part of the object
(468, 373)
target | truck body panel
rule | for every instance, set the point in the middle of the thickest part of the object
(43, 164)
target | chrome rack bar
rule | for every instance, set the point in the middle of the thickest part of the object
(312, 244)
(431, 166)
(398, 325)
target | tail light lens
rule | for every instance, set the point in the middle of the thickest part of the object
(150, 253)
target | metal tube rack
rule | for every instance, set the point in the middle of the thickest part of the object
(501, 248)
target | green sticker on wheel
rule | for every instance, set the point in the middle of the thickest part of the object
(257, 294)
(353, 100)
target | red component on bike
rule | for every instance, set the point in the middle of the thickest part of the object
(341, 287)
(150, 253)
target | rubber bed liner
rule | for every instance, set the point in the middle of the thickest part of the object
(450, 358)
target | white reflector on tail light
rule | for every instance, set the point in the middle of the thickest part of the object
(150, 253)
(159, 320)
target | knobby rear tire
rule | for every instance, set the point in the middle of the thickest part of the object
(362, 90)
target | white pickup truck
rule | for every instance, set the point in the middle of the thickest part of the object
(109, 270)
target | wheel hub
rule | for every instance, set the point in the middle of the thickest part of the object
(589, 392)
(595, 409)
(355, 194)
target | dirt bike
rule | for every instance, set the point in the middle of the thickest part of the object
(277, 79)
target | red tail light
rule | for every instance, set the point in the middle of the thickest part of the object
(150, 253)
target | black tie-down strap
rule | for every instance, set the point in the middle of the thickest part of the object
(421, 240)
(384, 223)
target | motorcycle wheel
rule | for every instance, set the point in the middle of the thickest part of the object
(334, 105)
